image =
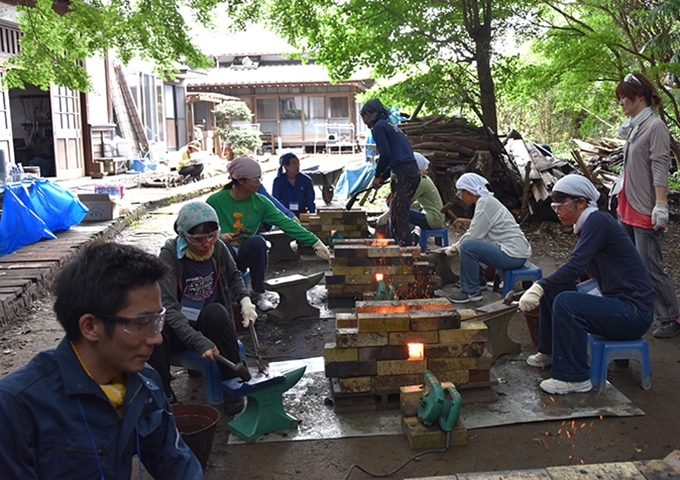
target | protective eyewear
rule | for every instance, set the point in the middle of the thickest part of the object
(630, 78)
(255, 181)
(200, 238)
(145, 326)
(561, 206)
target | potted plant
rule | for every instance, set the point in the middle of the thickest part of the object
(238, 139)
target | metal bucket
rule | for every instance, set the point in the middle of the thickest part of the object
(196, 424)
(532, 319)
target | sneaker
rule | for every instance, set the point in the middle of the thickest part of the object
(264, 304)
(667, 330)
(539, 360)
(482, 285)
(462, 297)
(232, 405)
(562, 388)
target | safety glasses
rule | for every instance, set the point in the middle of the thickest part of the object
(143, 326)
(561, 207)
(201, 238)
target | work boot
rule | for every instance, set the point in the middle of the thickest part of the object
(560, 387)
(539, 360)
(667, 330)
(232, 405)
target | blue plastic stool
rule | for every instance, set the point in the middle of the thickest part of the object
(440, 235)
(603, 351)
(527, 273)
(191, 359)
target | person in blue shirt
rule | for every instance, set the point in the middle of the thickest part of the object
(84, 409)
(621, 307)
(292, 188)
(396, 162)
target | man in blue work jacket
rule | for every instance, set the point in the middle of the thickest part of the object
(84, 409)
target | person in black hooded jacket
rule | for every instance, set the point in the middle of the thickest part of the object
(398, 163)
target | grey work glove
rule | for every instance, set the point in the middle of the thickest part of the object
(531, 298)
(660, 215)
(321, 251)
(248, 312)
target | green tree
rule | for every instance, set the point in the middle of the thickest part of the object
(241, 139)
(443, 49)
(587, 47)
(55, 45)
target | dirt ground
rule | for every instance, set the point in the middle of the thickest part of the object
(522, 446)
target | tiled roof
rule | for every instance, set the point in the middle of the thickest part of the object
(271, 75)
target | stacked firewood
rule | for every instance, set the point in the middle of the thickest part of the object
(600, 160)
(520, 173)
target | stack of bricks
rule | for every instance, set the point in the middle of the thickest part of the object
(344, 223)
(369, 361)
(355, 264)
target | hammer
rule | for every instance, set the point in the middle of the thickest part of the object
(446, 208)
(240, 369)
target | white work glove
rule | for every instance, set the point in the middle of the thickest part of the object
(660, 215)
(248, 312)
(531, 298)
(382, 219)
(452, 251)
(321, 251)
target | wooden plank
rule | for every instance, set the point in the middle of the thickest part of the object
(12, 290)
(28, 273)
(23, 283)
(37, 256)
(24, 265)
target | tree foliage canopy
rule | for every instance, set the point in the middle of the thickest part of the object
(54, 46)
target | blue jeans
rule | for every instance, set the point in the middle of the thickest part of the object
(252, 254)
(568, 317)
(648, 244)
(418, 219)
(472, 252)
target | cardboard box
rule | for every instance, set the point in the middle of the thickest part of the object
(102, 207)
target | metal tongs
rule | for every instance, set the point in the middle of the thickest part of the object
(261, 365)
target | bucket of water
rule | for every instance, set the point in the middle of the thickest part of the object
(532, 319)
(196, 424)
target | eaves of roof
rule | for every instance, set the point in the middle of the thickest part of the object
(271, 75)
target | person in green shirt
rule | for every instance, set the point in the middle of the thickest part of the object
(426, 203)
(241, 211)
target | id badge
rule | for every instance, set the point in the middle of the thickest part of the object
(191, 309)
(294, 206)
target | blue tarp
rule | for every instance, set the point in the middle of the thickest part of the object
(354, 179)
(34, 210)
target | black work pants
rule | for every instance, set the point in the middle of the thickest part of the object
(217, 324)
(405, 181)
(193, 171)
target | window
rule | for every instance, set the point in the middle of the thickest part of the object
(338, 107)
(266, 109)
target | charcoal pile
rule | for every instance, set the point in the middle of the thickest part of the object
(520, 172)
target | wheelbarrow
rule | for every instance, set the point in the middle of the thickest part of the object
(326, 180)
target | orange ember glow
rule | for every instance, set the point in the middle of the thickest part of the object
(378, 277)
(416, 351)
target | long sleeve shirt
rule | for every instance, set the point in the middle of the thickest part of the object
(299, 196)
(427, 196)
(494, 223)
(393, 147)
(251, 212)
(606, 253)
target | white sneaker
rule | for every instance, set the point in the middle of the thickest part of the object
(562, 388)
(539, 360)
(264, 304)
